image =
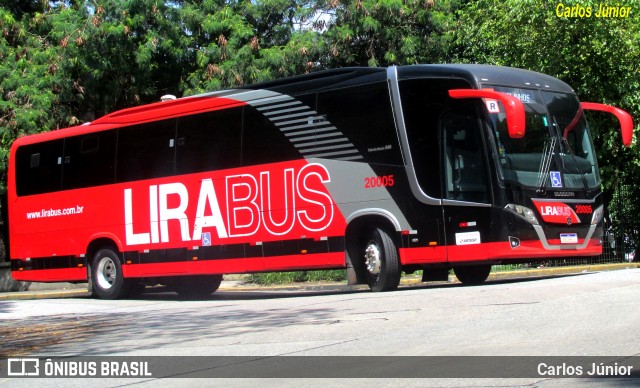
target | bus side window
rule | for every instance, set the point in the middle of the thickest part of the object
(209, 141)
(89, 160)
(39, 168)
(365, 125)
(424, 100)
(146, 151)
(263, 142)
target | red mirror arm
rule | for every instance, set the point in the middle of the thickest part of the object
(626, 122)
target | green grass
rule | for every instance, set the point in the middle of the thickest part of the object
(338, 275)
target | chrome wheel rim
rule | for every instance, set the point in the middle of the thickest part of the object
(106, 273)
(372, 258)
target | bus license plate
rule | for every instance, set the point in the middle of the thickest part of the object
(568, 238)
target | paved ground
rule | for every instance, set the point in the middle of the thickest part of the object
(235, 283)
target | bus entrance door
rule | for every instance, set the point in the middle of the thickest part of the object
(466, 199)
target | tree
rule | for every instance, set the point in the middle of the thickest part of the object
(240, 42)
(388, 32)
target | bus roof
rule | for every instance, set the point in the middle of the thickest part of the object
(477, 75)
(487, 74)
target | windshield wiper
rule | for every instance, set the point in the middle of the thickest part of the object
(569, 150)
(545, 164)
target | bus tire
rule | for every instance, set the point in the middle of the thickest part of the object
(472, 275)
(107, 279)
(381, 261)
(198, 286)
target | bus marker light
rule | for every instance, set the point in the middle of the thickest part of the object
(514, 241)
(433, 243)
(304, 251)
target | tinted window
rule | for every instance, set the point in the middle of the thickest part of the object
(209, 141)
(263, 142)
(39, 167)
(365, 125)
(89, 160)
(423, 103)
(465, 173)
(146, 151)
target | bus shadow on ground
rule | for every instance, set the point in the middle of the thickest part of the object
(257, 293)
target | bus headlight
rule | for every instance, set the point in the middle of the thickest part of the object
(597, 215)
(523, 212)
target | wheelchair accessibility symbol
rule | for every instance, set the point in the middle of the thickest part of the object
(556, 179)
(206, 239)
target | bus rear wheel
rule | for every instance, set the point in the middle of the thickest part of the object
(472, 275)
(381, 261)
(107, 280)
(196, 287)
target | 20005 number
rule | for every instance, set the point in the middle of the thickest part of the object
(379, 181)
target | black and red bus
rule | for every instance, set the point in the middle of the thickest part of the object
(377, 170)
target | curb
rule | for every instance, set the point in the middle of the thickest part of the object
(236, 285)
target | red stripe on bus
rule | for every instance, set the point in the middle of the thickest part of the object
(244, 265)
(51, 275)
(494, 251)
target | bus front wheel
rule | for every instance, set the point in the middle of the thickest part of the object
(381, 261)
(472, 275)
(107, 280)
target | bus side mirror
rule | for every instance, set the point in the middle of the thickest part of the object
(514, 108)
(626, 122)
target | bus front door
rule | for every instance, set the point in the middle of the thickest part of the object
(466, 196)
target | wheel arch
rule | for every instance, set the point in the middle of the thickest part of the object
(359, 226)
(100, 241)
(381, 215)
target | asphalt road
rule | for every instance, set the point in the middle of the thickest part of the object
(588, 314)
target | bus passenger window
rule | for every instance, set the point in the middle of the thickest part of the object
(89, 160)
(39, 168)
(209, 141)
(263, 142)
(145, 151)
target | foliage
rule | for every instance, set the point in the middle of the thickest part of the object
(297, 277)
(239, 42)
(388, 32)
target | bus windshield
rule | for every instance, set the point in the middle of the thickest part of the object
(556, 152)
